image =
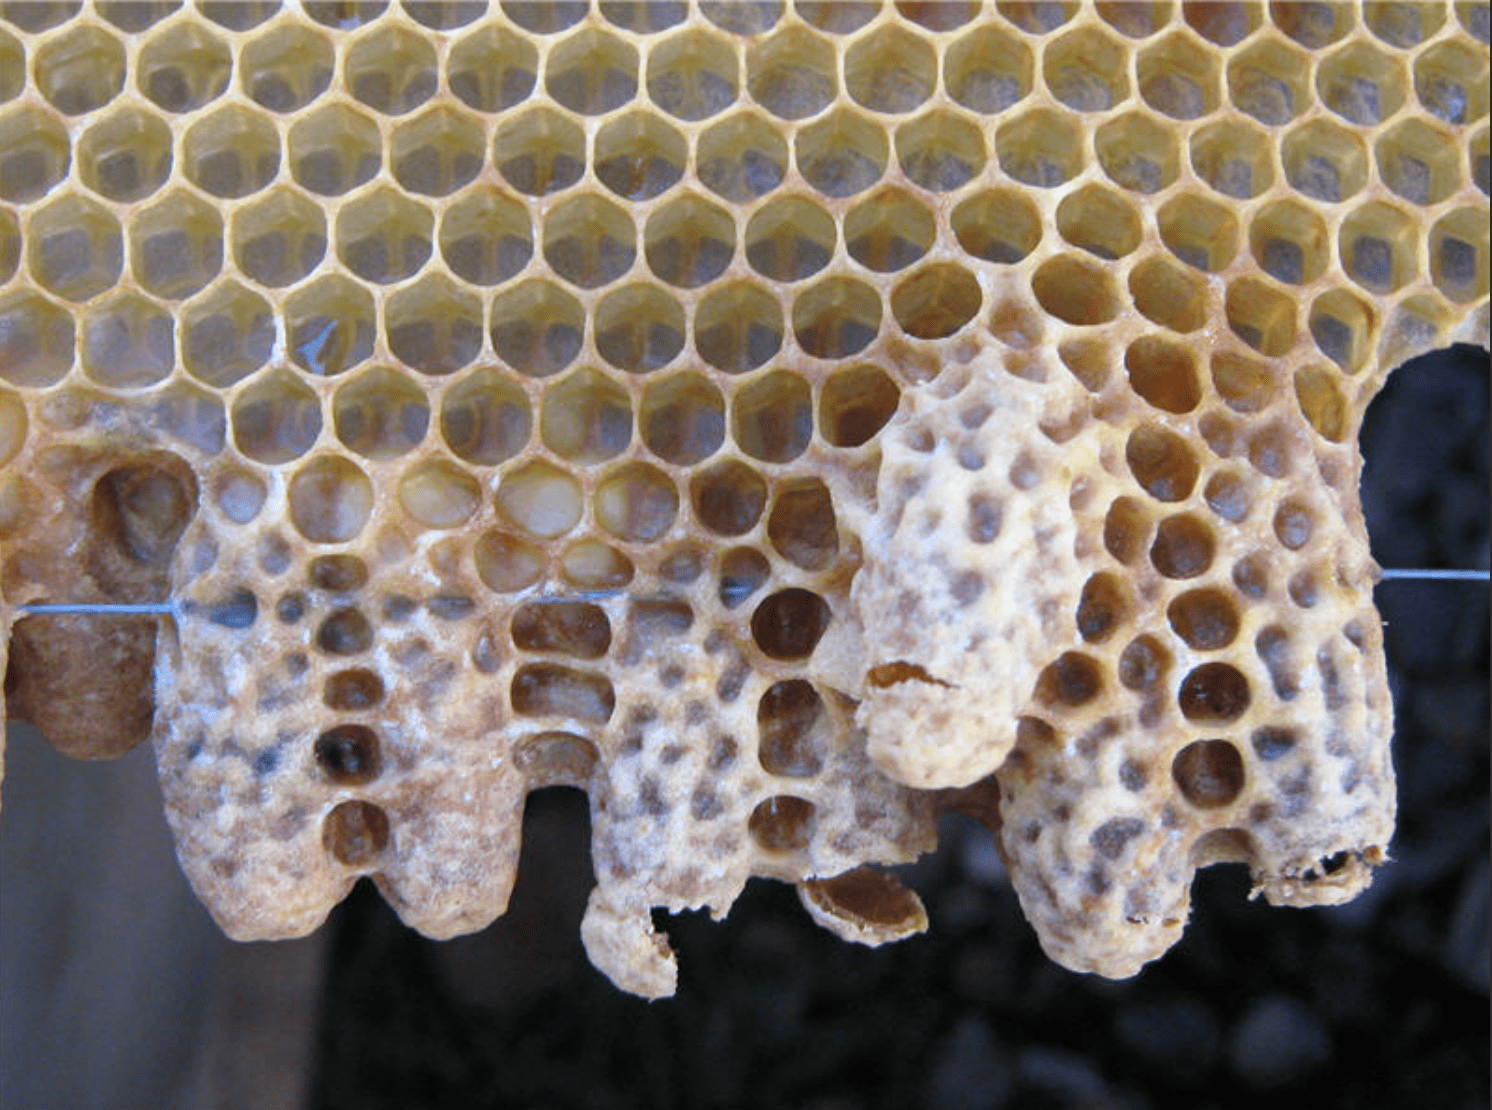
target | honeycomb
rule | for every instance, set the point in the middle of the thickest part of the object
(784, 422)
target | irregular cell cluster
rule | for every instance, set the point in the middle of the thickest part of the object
(782, 421)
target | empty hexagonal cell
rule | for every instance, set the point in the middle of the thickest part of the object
(935, 301)
(1418, 161)
(12, 66)
(940, 15)
(540, 499)
(1234, 158)
(176, 245)
(333, 150)
(1137, 21)
(1171, 296)
(643, 17)
(836, 318)
(232, 153)
(539, 151)
(10, 244)
(1480, 152)
(1261, 315)
(1458, 254)
(439, 495)
(1223, 23)
(789, 624)
(1167, 469)
(226, 334)
(1343, 327)
(392, 69)
(772, 417)
(276, 418)
(545, 17)
(286, 68)
(238, 15)
(537, 327)
(593, 565)
(1087, 70)
(1164, 372)
(999, 225)
(485, 418)
(1099, 220)
(1324, 161)
(742, 157)
(1362, 84)
(837, 17)
(1269, 80)
(639, 156)
(891, 70)
(80, 70)
(486, 237)
(988, 70)
(1402, 23)
(36, 340)
(842, 154)
(183, 67)
(1323, 405)
(1040, 147)
(280, 238)
(795, 730)
(940, 151)
(738, 327)
(682, 418)
(381, 414)
(1378, 246)
(639, 328)
(1312, 23)
(1138, 152)
(589, 241)
(728, 497)
(592, 72)
(492, 69)
(437, 152)
(384, 236)
(329, 325)
(1178, 77)
(345, 15)
(125, 156)
(1074, 289)
(792, 73)
(75, 248)
(330, 500)
(1199, 232)
(693, 75)
(433, 325)
(586, 418)
(506, 563)
(889, 230)
(636, 503)
(790, 239)
(447, 15)
(1290, 242)
(855, 404)
(689, 242)
(34, 154)
(39, 16)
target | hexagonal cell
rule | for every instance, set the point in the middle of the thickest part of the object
(1100, 221)
(988, 70)
(639, 328)
(384, 236)
(1166, 468)
(935, 301)
(645, 17)
(1418, 161)
(540, 499)
(1087, 70)
(1261, 315)
(891, 70)
(742, 17)
(1290, 242)
(1476, 18)
(1378, 248)
(183, 67)
(226, 334)
(276, 419)
(592, 72)
(1458, 254)
(639, 156)
(693, 75)
(728, 497)
(1223, 22)
(1136, 21)
(545, 17)
(438, 495)
(1178, 78)
(855, 404)
(505, 563)
(34, 154)
(344, 15)
(537, 328)
(485, 418)
(738, 327)
(1075, 290)
(41, 15)
(492, 69)
(280, 238)
(689, 242)
(437, 152)
(1172, 297)
(836, 318)
(329, 325)
(998, 225)
(486, 237)
(1324, 161)
(125, 156)
(1312, 23)
(889, 230)
(772, 417)
(238, 15)
(1269, 80)
(1480, 153)
(589, 241)
(742, 157)
(75, 248)
(381, 414)
(330, 500)
(938, 15)
(12, 66)
(593, 565)
(176, 245)
(1138, 153)
(37, 339)
(1362, 84)
(1322, 404)
(80, 70)
(586, 418)
(1451, 82)
(940, 151)
(539, 151)
(1402, 24)
(333, 150)
(10, 245)
(792, 73)
(1234, 158)
(232, 153)
(682, 418)
(841, 154)
(433, 325)
(286, 68)
(447, 15)
(837, 17)
(1343, 328)
(1040, 147)
(1164, 373)
(392, 69)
